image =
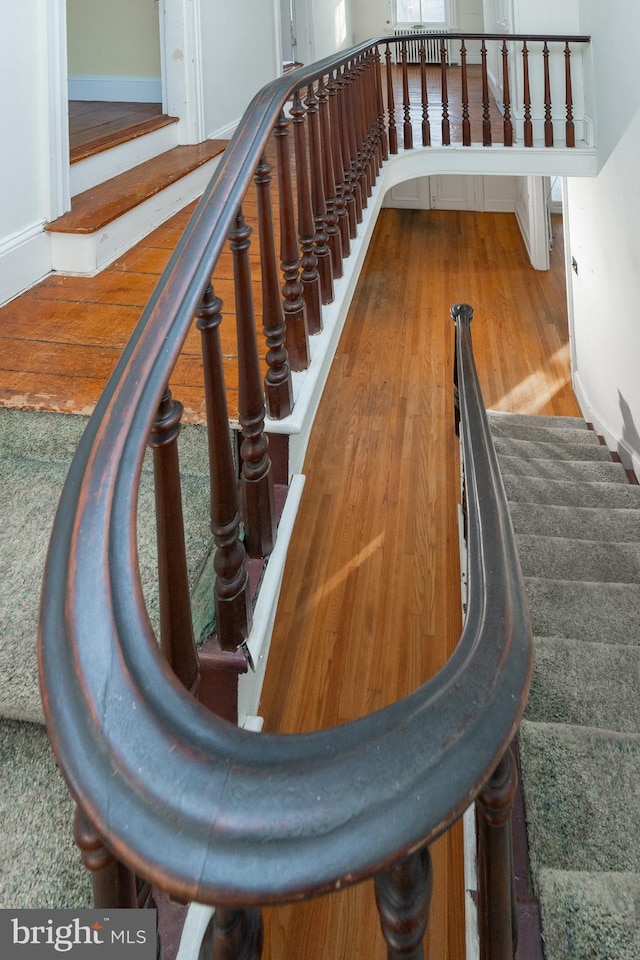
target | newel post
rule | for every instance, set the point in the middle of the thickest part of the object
(496, 885)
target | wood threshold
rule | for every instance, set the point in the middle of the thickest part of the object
(115, 138)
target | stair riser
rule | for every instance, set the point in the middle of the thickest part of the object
(88, 173)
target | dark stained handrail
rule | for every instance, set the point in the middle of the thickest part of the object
(205, 810)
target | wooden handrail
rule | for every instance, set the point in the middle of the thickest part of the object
(181, 797)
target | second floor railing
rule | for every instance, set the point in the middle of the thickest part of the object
(166, 791)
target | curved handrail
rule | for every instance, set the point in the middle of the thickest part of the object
(207, 811)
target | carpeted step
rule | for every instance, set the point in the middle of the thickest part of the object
(549, 450)
(564, 559)
(600, 612)
(577, 523)
(590, 916)
(576, 471)
(566, 493)
(497, 417)
(537, 434)
(582, 797)
(41, 866)
(585, 683)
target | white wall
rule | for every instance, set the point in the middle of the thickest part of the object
(603, 216)
(118, 38)
(372, 17)
(332, 26)
(240, 45)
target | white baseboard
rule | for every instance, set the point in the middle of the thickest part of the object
(224, 132)
(115, 89)
(25, 258)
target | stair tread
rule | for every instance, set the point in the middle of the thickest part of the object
(567, 559)
(578, 523)
(573, 470)
(117, 133)
(589, 610)
(535, 433)
(518, 419)
(550, 450)
(95, 208)
(544, 490)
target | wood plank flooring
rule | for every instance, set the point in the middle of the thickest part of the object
(96, 125)
(370, 604)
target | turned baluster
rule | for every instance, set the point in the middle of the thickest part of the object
(295, 311)
(334, 237)
(357, 139)
(114, 885)
(333, 89)
(506, 97)
(231, 589)
(345, 147)
(368, 129)
(446, 126)
(359, 124)
(486, 111)
(256, 479)
(350, 132)
(176, 629)
(233, 934)
(426, 126)
(403, 896)
(323, 253)
(277, 382)
(309, 277)
(571, 133)
(382, 131)
(496, 885)
(372, 116)
(528, 125)
(391, 106)
(548, 123)
(407, 129)
(466, 123)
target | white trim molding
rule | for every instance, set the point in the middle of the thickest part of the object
(115, 89)
(25, 258)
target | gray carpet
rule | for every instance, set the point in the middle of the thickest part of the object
(39, 861)
(577, 524)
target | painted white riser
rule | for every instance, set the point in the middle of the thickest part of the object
(88, 173)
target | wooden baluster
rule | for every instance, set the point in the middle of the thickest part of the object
(233, 934)
(466, 124)
(323, 253)
(570, 128)
(391, 106)
(548, 123)
(231, 589)
(403, 897)
(371, 129)
(486, 112)
(350, 132)
(309, 277)
(333, 89)
(358, 138)
(277, 383)
(295, 311)
(506, 97)
(528, 125)
(256, 480)
(374, 114)
(334, 237)
(176, 629)
(345, 145)
(407, 129)
(426, 126)
(384, 139)
(496, 889)
(114, 885)
(446, 126)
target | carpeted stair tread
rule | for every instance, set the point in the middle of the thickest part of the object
(577, 523)
(601, 612)
(566, 493)
(538, 434)
(575, 471)
(561, 558)
(582, 797)
(24, 534)
(550, 450)
(585, 683)
(500, 418)
(590, 915)
(41, 865)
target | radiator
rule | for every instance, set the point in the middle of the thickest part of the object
(432, 46)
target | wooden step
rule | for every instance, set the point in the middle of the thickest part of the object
(109, 218)
(113, 133)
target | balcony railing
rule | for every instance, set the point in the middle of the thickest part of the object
(167, 792)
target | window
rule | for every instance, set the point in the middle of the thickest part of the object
(421, 11)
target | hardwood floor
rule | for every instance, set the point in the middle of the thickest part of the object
(95, 125)
(370, 605)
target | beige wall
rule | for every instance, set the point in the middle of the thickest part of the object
(115, 38)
